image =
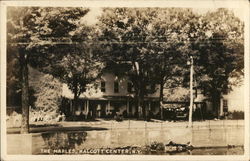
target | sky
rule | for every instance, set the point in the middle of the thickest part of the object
(91, 17)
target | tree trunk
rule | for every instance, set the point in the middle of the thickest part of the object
(75, 101)
(74, 105)
(139, 106)
(141, 101)
(216, 103)
(25, 94)
(161, 98)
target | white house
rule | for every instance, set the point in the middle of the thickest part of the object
(109, 95)
(230, 101)
(233, 101)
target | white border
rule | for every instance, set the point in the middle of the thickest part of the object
(3, 80)
(132, 3)
(247, 78)
(242, 4)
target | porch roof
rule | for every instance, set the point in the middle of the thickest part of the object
(116, 98)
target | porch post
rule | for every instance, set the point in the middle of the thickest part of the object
(106, 109)
(71, 108)
(87, 108)
(221, 108)
(128, 107)
(108, 105)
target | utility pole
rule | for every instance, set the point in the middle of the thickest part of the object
(191, 92)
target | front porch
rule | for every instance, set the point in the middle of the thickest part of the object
(108, 108)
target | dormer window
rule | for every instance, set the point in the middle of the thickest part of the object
(129, 87)
(103, 84)
(116, 87)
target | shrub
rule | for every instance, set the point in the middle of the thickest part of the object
(236, 115)
(14, 120)
(155, 147)
(118, 117)
(51, 117)
(209, 115)
(48, 94)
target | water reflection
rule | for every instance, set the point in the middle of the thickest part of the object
(81, 140)
(62, 140)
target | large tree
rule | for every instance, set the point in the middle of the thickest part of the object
(42, 37)
(220, 58)
(156, 41)
(125, 36)
(18, 37)
(79, 68)
(172, 30)
(76, 65)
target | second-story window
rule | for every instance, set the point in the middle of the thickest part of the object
(103, 89)
(225, 91)
(225, 105)
(116, 87)
(129, 88)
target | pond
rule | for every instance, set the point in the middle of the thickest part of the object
(127, 142)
